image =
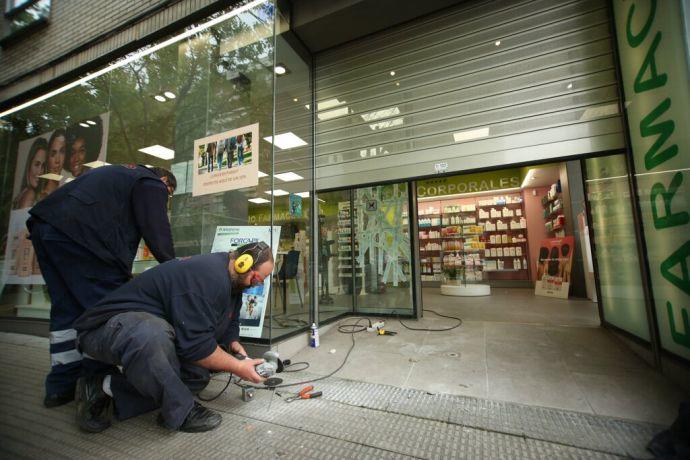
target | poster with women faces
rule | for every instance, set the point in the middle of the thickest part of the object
(554, 266)
(45, 163)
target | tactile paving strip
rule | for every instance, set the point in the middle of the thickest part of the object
(567, 428)
(351, 420)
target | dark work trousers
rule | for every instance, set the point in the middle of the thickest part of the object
(76, 281)
(144, 345)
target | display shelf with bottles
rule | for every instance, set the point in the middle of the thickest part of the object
(462, 252)
(553, 213)
(505, 226)
(344, 241)
(472, 240)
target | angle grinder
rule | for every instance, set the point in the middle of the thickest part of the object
(271, 365)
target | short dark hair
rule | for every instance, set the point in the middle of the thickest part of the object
(260, 252)
(162, 172)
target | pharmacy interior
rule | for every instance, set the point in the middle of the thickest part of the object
(516, 228)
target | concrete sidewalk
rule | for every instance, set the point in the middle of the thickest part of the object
(352, 420)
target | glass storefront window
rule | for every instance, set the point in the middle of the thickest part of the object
(335, 255)
(204, 106)
(615, 247)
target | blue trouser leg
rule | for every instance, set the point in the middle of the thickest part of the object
(76, 281)
(143, 344)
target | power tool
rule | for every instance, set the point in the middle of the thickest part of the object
(271, 365)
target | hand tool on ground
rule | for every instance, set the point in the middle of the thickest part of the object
(382, 331)
(304, 394)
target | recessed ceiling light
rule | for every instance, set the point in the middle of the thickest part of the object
(288, 176)
(294, 99)
(397, 83)
(277, 192)
(392, 73)
(529, 177)
(259, 200)
(159, 98)
(96, 164)
(51, 176)
(329, 104)
(498, 43)
(83, 124)
(570, 86)
(280, 69)
(91, 122)
(159, 151)
(303, 194)
(169, 95)
(262, 174)
(335, 113)
(286, 141)
(471, 134)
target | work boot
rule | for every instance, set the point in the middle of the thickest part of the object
(55, 399)
(198, 420)
(93, 405)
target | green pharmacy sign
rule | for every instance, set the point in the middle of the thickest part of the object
(653, 49)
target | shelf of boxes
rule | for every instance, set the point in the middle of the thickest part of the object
(467, 234)
(553, 212)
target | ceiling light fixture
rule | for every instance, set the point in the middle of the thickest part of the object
(335, 113)
(96, 164)
(464, 136)
(529, 177)
(159, 151)
(277, 192)
(392, 73)
(286, 141)
(169, 95)
(259, 200)
(280, 69)
(288, 176)
(159, 98)
(51, 176)
(570, 86)
(303, 194)
(498, 43)
(134, 56)
(83, 124)
(91, 122)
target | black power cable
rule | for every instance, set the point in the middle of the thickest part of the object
(459, 320)
(351, 329)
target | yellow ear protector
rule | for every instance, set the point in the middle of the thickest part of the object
(245, 261)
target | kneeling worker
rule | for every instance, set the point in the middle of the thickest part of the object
(164, 328)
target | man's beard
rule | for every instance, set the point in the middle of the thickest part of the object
(237, 285)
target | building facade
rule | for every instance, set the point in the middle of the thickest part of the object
(334, 122)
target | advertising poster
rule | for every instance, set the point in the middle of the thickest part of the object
(254, 299)
(45, 163)
(553, 267)
(295, 205)
(226, 161)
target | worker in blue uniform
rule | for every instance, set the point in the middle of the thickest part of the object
(86, 234)
(168, 328)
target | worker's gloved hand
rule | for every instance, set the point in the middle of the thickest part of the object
(246, 370)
